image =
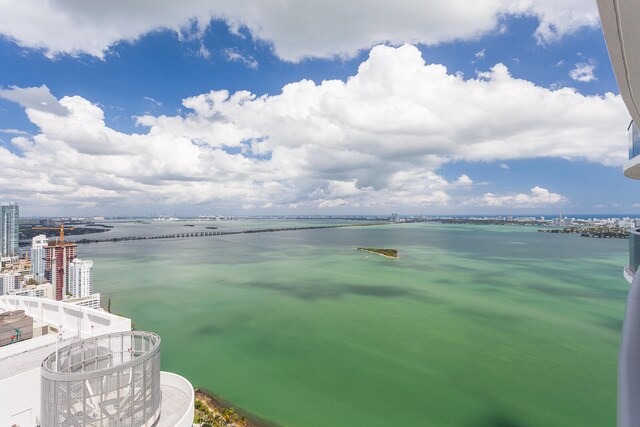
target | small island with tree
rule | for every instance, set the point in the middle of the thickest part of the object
(389, 253)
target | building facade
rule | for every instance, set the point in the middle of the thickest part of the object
(38, 243)
(92, 301)
(619, 20)
(9, 282)
(43, 290)
(58, 256)
(80, 283)
(9, 229)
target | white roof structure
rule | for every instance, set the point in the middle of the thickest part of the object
(59, 325)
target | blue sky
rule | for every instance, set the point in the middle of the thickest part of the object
(144, 119)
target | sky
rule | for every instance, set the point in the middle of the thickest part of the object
(303, 107)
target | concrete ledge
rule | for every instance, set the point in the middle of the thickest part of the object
(83, 321)
(178, 399)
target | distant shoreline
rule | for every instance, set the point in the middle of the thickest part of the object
(595, 232)
(223, 233)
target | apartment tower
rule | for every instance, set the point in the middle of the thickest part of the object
(58, 256)
(38, 244)
(80, 282)
(9, 215)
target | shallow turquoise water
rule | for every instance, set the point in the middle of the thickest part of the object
(471, 326)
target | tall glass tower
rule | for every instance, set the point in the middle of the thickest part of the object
(9, 214)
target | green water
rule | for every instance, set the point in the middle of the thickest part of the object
(472, 326)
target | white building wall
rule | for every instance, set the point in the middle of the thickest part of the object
(20, 394)
(44, 290)
(626, 223)
(37, 256)
(80, 283)
(71, 317)
(8, 282)
(17, 403)
(92, 301)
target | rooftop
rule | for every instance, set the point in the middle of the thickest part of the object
(177, 394)
(72, 323)
(30, 358)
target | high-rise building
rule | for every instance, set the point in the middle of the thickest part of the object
(38, 244)
(80, 283)
(9, 221)
(9, 281)
(58, 255)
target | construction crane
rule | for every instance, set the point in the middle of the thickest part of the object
(61, 228)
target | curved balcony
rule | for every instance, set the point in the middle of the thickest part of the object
(632, 167)
(634, 255)
(112, 379)
(178, 399)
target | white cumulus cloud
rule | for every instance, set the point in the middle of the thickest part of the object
(538, 197)
(36, 98)
(583, 72)
(464, 180)
(296, 28)
(375, 140)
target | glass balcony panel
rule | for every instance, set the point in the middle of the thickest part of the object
(634, 249)
(634, 141)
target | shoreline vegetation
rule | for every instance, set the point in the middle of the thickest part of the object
(598, 232)
(388, 253)
(211, 411)
(595, 232)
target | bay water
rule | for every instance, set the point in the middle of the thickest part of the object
(471, 326)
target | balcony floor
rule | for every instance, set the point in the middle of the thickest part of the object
(174, 405)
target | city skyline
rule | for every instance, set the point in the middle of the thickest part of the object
(501, 109)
